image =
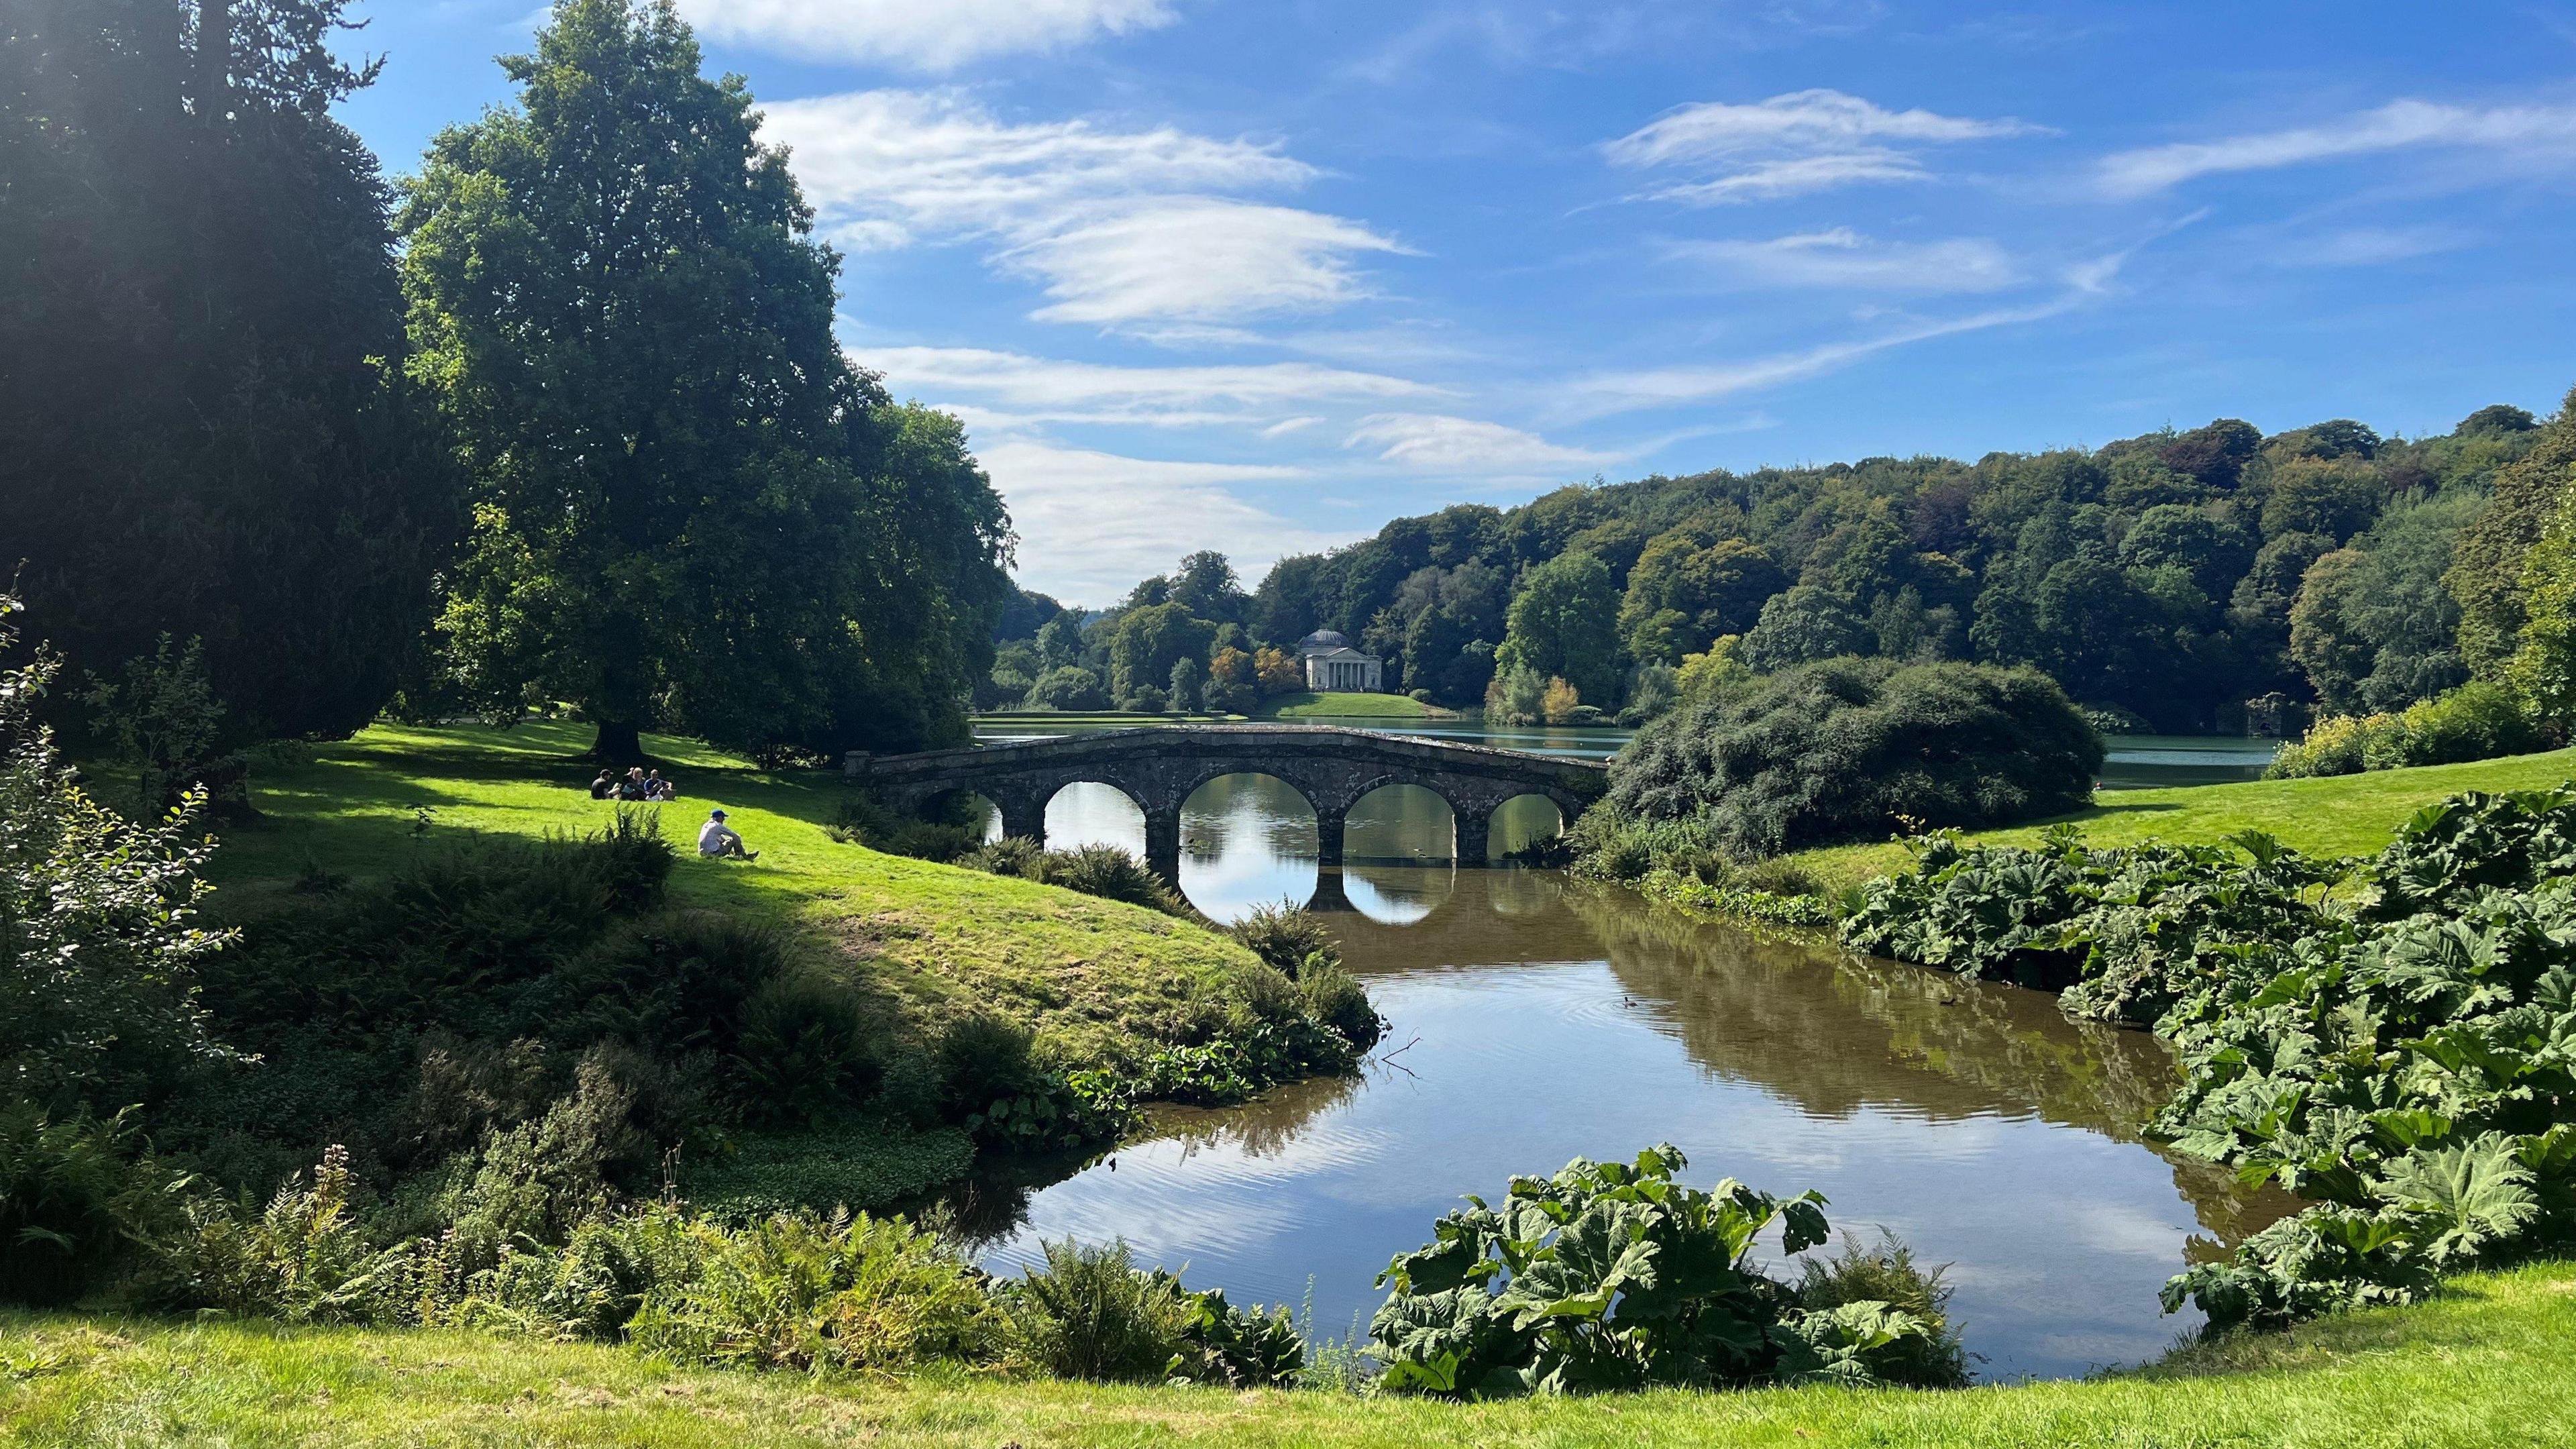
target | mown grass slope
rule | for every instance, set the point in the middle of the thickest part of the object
(1090, 974)
(2482, 1365)
(1346, 705)
(2337, 815)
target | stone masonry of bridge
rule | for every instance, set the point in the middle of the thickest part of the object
(1158, 768)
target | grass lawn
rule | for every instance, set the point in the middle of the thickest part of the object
(1341, 705)
(2483, 1365)
(1092, 975)
(2338, 815)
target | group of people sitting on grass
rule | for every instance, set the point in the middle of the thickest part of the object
(639, 784)
(716, 840)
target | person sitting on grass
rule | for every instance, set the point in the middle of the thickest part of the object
(657, 788)
(632, 788)
(604, 786)
(717, 840)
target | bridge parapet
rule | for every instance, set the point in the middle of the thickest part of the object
(1159, 767)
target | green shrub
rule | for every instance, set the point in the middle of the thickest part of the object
(74, 1202)
(1336, 998)
(802, 1291)
(996, 1089)
(1091, 1313)
(591, 1287)
(1885, 1273)
(1094, 870)
(943, 836)
(1012, 855)
(804, 1053)
(304, 1259)
(1110, 873)
(100, 950)
(1614, 1276)
(1846, 749)
(2477, 721)
(1288, 936)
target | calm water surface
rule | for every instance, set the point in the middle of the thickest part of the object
(1536, 1019)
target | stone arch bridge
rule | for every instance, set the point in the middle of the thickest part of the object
(1159, 767)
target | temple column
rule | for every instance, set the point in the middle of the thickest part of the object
(1163, 844)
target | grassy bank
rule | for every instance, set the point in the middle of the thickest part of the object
(2337, 815)
(1094, 976)
(1340, 705)
(2481, 1365)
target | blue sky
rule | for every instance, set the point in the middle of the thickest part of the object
(1260, 276)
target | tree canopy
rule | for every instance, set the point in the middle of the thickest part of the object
(689, 509)
(208, 434)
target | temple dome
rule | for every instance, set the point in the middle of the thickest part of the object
(1321, 641)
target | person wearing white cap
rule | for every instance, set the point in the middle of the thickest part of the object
(717, 839)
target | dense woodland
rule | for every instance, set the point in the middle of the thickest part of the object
(2210, 579)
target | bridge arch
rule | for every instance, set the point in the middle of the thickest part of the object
(1158, 768)
(1409, 798)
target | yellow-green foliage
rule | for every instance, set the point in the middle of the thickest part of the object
(2484, 1365)
(2474, 722)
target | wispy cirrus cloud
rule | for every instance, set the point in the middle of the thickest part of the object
(1603, 393)
(1135, 230)
(2547, 132)
(1804, 141)
(1439, 443)
(1055, 390)
(927, 36)
(1843, 259)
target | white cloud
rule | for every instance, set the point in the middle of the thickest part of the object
(2399, 125)
(1093, 523)
(1437, 443)
(1790, 144)
(1611, 392)
(1285, 426)
(1197, 260)
(1796, 176)
(2366, 246)
(1807, 120)
(1019, 378)
(1133, 229)
(1844, 259)
(934, 35)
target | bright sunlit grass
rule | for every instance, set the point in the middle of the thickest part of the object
(1085, 971)
(2483, 1365)
(2337, 815)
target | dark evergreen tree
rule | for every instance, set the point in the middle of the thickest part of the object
(207, 430)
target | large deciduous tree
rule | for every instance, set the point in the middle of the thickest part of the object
(690, 510)
(203, 427)
(1564, 624)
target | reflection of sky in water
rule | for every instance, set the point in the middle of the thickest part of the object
(1534, 1022)
(2060, 1237)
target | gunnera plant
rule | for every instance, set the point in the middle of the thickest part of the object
(1886, 1272)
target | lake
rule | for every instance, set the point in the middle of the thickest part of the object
(1534, 1019)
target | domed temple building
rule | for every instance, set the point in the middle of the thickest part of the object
(1332, 664)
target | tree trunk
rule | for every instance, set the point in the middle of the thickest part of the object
(618, 744)
(214, 60)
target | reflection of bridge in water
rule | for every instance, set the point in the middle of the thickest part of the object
(1158, 768)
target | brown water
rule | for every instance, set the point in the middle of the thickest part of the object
(1535, 1019)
